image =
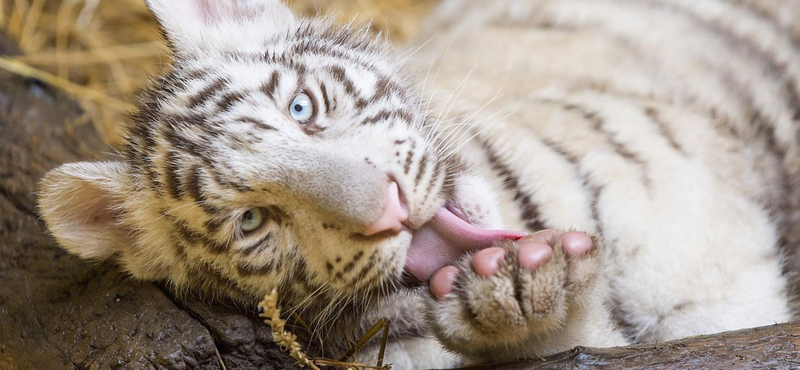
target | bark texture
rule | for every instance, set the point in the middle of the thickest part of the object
(59, 312)
(769, 347)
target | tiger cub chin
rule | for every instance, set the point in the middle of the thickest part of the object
(528, 177)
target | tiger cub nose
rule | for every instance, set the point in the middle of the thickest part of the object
(395, 213)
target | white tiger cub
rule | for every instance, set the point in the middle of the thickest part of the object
(292, 153)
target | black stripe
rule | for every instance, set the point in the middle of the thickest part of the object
(171, 178)
(301, 272)
(339, 74)
(385, 115)
(205, 152)
(142, 152)
(257, 122)
(180, 249)
(529, 211)
(192, 184)
(205, 94)
(194, 74)
(599, 125)
(626, 326)
(269, 88)
(409, 157)
(187, 118)
(663, 129)
(278, 215)
(213, 224)
(754, 116)
(325, 99)
(322, 49)
(378, 117)
(771, 17)
(349, 266)
(437, 174)
(778, 71)
(248, 270)
(257, 245)
(423, 163)
(201, 151)
(194, 188)
(794, 96)
(596, 190)
(366, 269)
(229, 181)
(194, 237)
(228, 100)
(383, 88)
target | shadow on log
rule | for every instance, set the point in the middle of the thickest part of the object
(58, 312)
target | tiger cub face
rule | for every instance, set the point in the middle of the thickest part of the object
(276, 151)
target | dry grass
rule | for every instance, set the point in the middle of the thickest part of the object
(102, 52)
(286, 340)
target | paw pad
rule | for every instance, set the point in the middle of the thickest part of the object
(576, 243)
(531, 255)
(486, 262)
(441, 283)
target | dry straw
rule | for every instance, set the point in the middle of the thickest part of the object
(101, 52)
(271, 313)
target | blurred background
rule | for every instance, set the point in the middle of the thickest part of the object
(101, 52)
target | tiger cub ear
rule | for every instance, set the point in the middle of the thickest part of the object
(82, 202)
(196, 26)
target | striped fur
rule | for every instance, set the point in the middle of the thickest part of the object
(668, 127)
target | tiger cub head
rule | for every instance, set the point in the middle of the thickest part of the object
(275, 152)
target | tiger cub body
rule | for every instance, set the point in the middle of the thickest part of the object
(665, 130)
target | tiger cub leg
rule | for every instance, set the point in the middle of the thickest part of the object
(524, 299)
(738, 289)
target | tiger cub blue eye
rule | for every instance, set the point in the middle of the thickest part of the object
(252, 219)
(301, 108)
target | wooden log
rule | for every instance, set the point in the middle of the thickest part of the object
(769, 347)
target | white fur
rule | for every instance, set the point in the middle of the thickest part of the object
(211, 26)
(611, 119)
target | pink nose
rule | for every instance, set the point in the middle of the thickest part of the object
(394, 213)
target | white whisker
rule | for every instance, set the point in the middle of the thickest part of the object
(455, 150)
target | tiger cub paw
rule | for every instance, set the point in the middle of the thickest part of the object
(511, 293)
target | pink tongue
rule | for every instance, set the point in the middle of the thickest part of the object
(443, 239)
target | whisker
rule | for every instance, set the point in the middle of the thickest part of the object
(496, 96)
(458, 89)
(455, 150)
(411, 54)
(451, 139)
(466, 131)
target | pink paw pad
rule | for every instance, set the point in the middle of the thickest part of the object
(531, 255)
(441, 283)
(576, 243)
(487, 261)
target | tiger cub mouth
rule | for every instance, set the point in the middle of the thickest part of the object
(443, 239)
